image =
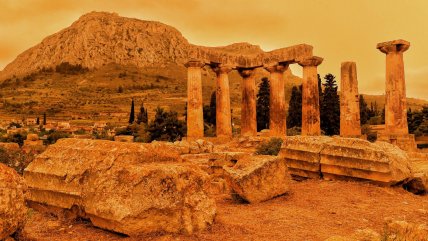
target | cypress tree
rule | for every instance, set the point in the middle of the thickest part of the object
(294, 117)
(330, 107)
(213, 109)
(364, 111)
(132, 114)
(263, 105)
(142, 115)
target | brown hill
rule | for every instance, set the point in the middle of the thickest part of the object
(100, 38)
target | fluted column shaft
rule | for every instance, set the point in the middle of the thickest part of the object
(349, 101)
(278, 115)
(395, 91)
(195, 118)
(310, 97)
(248, 108)
(223, 112)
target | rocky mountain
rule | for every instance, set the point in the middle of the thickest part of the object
(99, 38)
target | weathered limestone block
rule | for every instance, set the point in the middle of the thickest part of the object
(345, 158)
(124, 138)
(357, 159)
(129, 188)
(213, 164)
(13, 211)
(194, 147)
(302, 155)
(9, 146)
(404, 141)
(32, 137)
(259, 178)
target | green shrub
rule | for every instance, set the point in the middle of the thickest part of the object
(272, 147)
(294, 131)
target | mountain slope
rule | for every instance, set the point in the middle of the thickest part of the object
(100, 38)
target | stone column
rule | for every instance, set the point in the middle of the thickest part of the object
(248, 108)
(223, 112)
(349, 101)
(395, 96)
(195, 118)
(278, 115)
(310, 97)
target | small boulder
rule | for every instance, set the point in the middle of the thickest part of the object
(258, 178)
(12, 204)
(418, 182)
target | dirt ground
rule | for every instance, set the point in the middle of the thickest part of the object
(313, 210)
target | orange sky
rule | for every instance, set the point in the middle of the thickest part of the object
(339, 30)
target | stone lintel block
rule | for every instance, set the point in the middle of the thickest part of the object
(398, 45)
(283, 55)
(311, 61)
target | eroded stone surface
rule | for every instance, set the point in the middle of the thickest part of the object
(349, 101)
(129, 188)
(395, 89)
(258, 178)
(345, 158)
(310, 97)
(12, 204)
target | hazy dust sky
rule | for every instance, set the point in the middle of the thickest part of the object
(339, 30)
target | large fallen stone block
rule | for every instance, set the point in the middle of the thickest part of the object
(12, 204)
(258, 178)
(302, 154)
(212, 164)
(345, 158)
(129, 188)
(357, 159)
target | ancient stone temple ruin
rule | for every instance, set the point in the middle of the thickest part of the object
(276, 63)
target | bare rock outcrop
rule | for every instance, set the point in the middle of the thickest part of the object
(13, 211)
(100, 38)
(258, 178)
(129, 188)
(346, 158)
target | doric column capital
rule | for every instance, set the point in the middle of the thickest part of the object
(245, 73)
(276, 68)
(194, 63)
(398, 46)
(221, 68)
(311, 61)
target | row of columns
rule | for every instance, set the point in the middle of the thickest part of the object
(395, 98)
(277, 121)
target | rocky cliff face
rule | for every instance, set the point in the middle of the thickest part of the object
(100, 38)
